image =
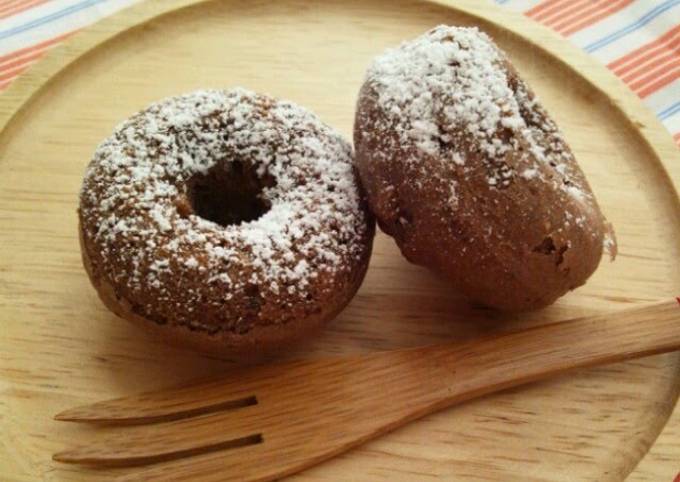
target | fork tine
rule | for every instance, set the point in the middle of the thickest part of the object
(295, 436)
(150, 444)
(139, 411)
(232, 466)
(232, 390)
(226, 393)
(291, 416)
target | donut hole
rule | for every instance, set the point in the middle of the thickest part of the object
(230, 193)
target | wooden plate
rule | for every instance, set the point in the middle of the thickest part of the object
(60, 347)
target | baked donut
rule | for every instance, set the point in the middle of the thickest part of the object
(469, 174)
(226, 221)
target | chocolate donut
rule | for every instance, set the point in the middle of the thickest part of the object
(469, 174)
(226, 221)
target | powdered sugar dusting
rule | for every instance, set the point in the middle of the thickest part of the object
(315, 226)
(459, 64)
(450, 93)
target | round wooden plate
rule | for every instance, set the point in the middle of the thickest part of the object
(60, 347)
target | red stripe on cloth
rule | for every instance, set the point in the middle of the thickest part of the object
(562, 12)
(642, 67)
(39, 46)
(14, 63)
(657, 80)
(8, 12)
(544, 9)
(10, 64)
(7, 3)
(567, 28)
(676, 137)
(13, 73)
(18, 7)
(647, 65)
(665, 41)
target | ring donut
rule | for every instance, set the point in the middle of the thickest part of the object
(226, 221)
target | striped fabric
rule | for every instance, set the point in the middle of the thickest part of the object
(639, 40)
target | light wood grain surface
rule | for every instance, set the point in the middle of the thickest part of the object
(60, 347)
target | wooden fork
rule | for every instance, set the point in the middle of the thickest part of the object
(270, 421)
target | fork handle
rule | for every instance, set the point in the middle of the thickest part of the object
(484, 366)
(394, 388)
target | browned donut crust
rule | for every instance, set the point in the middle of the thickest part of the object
(468, 173)
(225, 221)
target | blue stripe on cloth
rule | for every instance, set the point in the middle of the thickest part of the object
(648, 17)
(54, 16)
(669, 111)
